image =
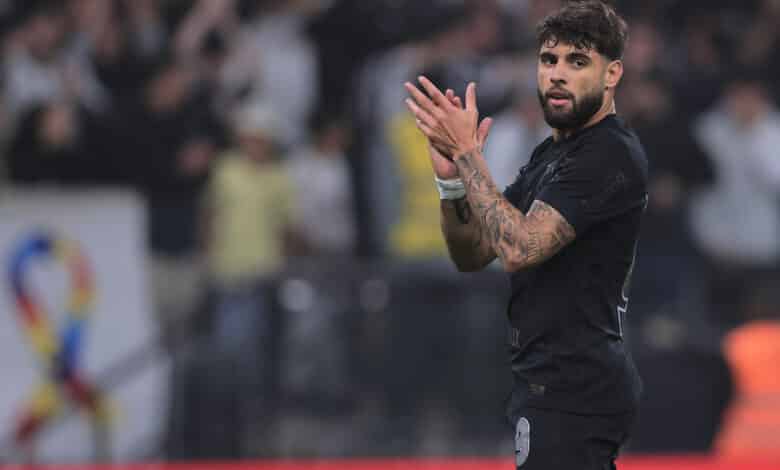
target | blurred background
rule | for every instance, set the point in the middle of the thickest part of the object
(219, 231)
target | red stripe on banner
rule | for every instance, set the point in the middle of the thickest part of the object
(26, 427)
(82, 393)
(628, 463)
(30, 314)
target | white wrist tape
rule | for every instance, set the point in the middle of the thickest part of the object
(451, 189)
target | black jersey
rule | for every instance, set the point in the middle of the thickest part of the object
(566, 335)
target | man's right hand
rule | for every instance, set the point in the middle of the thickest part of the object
(443, 166)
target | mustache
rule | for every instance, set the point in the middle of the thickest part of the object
(559, 93)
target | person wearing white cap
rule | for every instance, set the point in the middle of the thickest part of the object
(249, 202)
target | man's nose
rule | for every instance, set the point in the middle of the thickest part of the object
(558, 75)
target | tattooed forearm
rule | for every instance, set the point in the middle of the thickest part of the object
(467, 166)
(468, 246)
(519, 240)
(463, 210)
(534, 246)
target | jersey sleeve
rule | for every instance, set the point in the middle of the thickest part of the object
(595, 182)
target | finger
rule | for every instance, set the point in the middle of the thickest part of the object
(419, 113)
(471, 97)
(483, 131)
(434, 92)
(453, 98)
(430, 134)
(419, 97)
(443, 151)
(424, 128)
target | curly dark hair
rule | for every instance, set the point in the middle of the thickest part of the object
(587, 24)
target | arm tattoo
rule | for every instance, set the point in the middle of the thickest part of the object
(467, 244)
(534, 249)
(462, 210)
(519, 240)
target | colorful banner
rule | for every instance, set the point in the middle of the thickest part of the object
(74, 306)
(58, 353)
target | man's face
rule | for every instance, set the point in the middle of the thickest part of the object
(571, 84)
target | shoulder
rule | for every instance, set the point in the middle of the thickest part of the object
(612, 134)
(541, 148)
(612, 146)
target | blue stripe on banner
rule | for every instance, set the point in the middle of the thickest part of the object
(71, 341)
(38, 244)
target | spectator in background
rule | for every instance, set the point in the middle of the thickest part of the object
(206, 39)
(247, 216)
(274, 59)
(324, 212)
(109, 36)
(171, 137)
(736, 222)
(249, 203)
(40, 66)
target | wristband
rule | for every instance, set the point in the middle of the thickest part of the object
(451, 189)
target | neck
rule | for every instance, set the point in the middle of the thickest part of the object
(606, 109)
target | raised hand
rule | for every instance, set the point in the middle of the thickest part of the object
(484, 127)
(443, 166)
(450, 128)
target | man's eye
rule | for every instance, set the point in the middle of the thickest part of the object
(547, 60)
(579, 63)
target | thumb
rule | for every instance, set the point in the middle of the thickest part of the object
(483, 131)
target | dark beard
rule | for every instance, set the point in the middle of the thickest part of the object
(582, 110)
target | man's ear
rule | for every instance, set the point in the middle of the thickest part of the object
(613, 73)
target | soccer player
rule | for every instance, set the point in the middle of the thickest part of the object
(566, 232)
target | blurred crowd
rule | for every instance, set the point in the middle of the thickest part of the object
(264, 131)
